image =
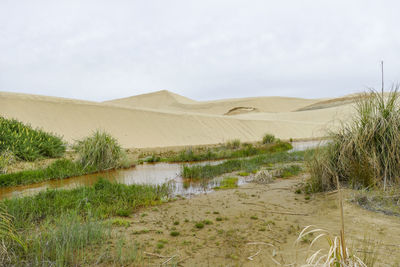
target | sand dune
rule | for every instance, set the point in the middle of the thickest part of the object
(164, 119)
(168, 101)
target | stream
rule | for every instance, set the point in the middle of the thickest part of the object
(147, 173)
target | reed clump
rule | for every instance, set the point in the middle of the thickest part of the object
(364, 152)
(100, 150)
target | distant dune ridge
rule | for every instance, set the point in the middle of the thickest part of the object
(163, 119)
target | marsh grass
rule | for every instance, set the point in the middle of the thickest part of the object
(102, 200)
(365, 151)
(59, 169)
(224, 152)
(58, 226)
(28, 143)
(100, 150)
(198, 172)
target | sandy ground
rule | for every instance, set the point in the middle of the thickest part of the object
(164, 119)
(255, 219)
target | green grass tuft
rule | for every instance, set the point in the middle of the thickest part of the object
(100, 151)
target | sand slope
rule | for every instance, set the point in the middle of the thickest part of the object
(165, 119)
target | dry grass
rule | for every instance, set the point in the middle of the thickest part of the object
(337, 255)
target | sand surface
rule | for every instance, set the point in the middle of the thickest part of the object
(260, 220)
(165, 119)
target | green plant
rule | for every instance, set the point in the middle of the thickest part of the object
(228, 183)
(199, 225)
(120, 222)
(174, 233)
(198, 172)
(233, 144)
(268, 139)
(290, 170)
(100, 150)
(27, 143)
(364, 151)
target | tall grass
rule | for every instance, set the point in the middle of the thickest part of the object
(100, 150)
(364, 152)
(8, 236)
(57, 226)
(28, 143)
(61, 242)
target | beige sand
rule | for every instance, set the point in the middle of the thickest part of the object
(261, 220)
(163, 119)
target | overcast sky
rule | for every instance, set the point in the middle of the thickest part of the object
(208, 49)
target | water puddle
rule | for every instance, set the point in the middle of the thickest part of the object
(150, 173)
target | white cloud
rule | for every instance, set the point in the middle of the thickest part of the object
(100, 50)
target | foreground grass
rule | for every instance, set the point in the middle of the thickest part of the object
(102, 200)
(199, 172)
(57, 225)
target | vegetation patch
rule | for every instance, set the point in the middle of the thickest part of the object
(268, 139)
(27, 143)
(228, 183)
(59, 169)
(224, 152)
(100, 151)
(102, 200)
(379, 201)
(365, 151)
(289, 171)
(198, 172)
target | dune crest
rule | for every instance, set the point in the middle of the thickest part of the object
(163, 119)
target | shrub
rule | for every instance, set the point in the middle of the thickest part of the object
(28, 143)
(268, 139)
(365, 151)
(233, 144)
(100, 150)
